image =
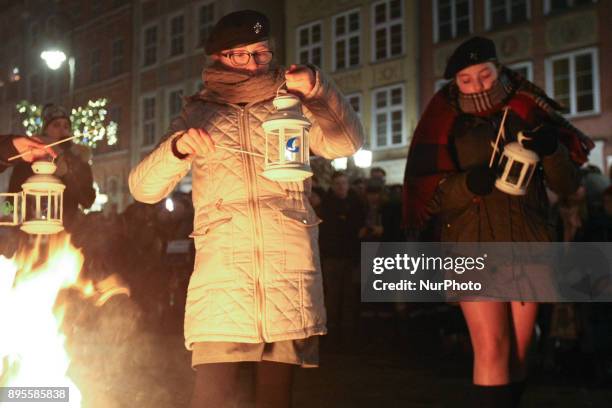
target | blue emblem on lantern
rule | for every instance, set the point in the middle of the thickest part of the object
(293, 145)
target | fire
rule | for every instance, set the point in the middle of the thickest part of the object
(32, 345)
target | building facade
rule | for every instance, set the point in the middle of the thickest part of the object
(564, 46)
(370, 48)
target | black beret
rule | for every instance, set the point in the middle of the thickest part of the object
(474, 51)
(237, 28)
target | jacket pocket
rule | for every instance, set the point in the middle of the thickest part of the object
(214, 260)
(300, 239)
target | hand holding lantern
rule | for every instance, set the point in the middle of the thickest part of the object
(516, 163)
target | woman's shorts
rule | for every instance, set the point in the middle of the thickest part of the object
(302, 352)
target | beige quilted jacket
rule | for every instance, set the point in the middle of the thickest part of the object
(257, 275)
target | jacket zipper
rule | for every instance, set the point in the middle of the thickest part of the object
(252, 178)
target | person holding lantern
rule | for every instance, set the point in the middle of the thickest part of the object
(450, 194)
(72, 162)
(256, 292)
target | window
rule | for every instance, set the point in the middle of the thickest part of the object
(452, 19)
(150, 46)
(117, 57)
(387, 40)
(346, 28)
(206, 21)
(500, 12)
(355, 101)
(554, 6)
(388, 117)
(94, 73)
(523, 68)
(177, 35)
(573, 80)
(148, 120)
(175, 103)
(309, 47)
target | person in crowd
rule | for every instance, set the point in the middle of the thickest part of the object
(343, 215)
(256, 291)
(449, 194)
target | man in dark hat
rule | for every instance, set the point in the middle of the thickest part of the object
(256, 292)
(72, 164)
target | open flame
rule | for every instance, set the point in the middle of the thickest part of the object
(32, 345)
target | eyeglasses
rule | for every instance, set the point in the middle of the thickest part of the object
(240, 58)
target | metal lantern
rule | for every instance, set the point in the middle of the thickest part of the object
(517, 166)
(41, 201)
(287, 130)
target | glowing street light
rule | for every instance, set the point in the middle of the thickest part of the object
(53, 58)
(363, 158)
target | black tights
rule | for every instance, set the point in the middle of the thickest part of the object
(216, 385)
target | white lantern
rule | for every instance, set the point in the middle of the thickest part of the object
(517, 166)
(41, 201)
(287, 156)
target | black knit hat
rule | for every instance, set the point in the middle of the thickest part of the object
(476, 50)
(50, 112)
(238, 28)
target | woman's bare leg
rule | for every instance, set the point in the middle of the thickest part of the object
(489, 326)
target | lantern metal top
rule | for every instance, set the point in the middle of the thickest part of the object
(43, 179)
(288, 113)
(518, 152)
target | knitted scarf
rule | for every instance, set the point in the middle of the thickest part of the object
(227, 85)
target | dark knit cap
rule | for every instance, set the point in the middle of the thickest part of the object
(476, 50)
(50, 112)
(238, 28)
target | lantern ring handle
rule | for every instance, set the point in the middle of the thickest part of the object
(281, 85)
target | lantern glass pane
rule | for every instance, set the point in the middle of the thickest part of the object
(41, 206)
(9, 203)
(502, 165)
(515, 173)
(293, 145)
(528, 174)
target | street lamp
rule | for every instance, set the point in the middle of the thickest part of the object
(363, 158)
(54, 59)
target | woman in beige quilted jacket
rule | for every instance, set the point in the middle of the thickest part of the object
(256, 290)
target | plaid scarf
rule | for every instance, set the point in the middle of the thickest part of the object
(429, 159)
(486, 101)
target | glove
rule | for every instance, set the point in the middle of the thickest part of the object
(480, 180)
(542, 140)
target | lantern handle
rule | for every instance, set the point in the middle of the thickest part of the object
(499, 134)
(279, 88)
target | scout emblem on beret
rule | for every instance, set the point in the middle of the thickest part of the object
(474, 56)
(257, 27)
